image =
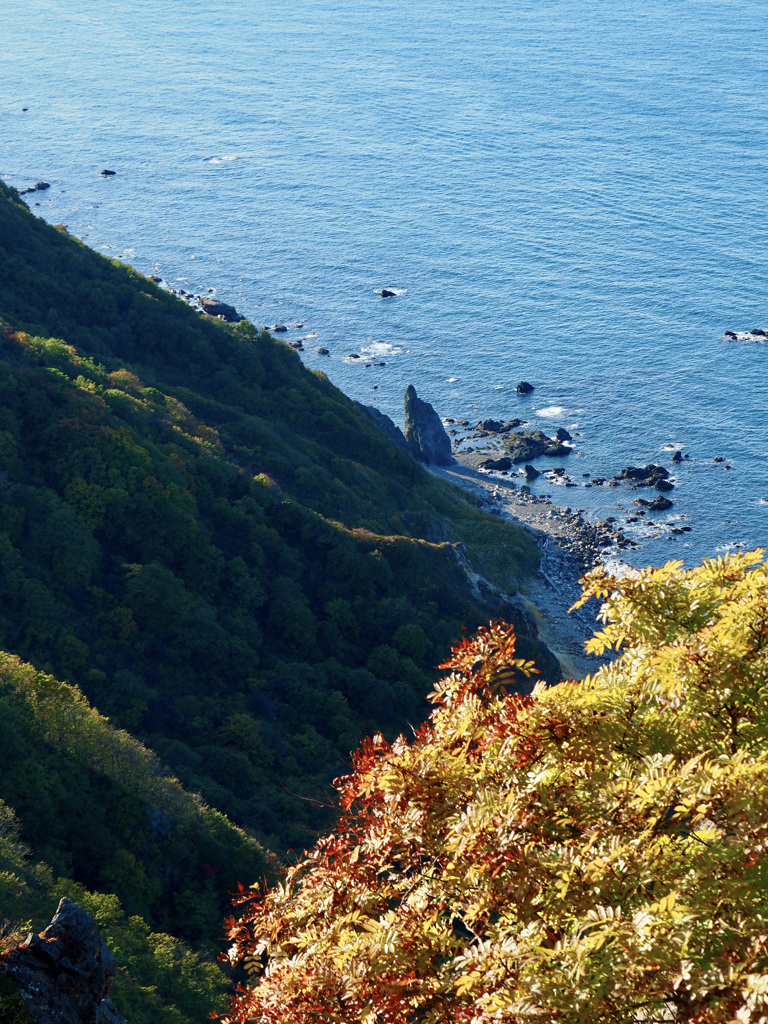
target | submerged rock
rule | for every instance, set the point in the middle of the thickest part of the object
(424, 431)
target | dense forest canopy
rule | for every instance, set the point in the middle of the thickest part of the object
(218, 551)
(591, 853)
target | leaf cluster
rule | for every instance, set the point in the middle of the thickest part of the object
(595, 851)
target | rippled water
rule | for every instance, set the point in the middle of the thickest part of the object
(571, 193)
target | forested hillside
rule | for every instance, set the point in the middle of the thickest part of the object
(226, 556)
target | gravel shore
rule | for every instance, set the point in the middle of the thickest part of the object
(569, 547)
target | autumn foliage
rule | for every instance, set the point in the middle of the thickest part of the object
(593, 852)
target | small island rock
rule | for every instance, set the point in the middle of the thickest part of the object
(524, 388)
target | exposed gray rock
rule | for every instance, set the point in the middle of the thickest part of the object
(561, 434)
(387, 293)
(526, 444)
(65, 973)
(212, 307)
(424, 431)
(388, 426)
(531, 472)
(497, 465)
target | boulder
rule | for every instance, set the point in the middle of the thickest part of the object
(424, 431)
(280, 328)
(497, 465)
(493, 426)
(756, 332)
(524, 388)
(678, 456)
(561, 434)
(730, 335)
(558, 450)
(108, 174)
(386, 293)
(41, 186)
(524, 445)
(657, 505)
(64, 974)
(212, 307)
(531, 472)
(646, 476)
(323, 352)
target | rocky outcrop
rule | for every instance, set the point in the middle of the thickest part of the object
(212, 307)
(497, 465)
(424, 431)
(387, 426)
(647, 476)
(64, 974)
(524, 388)
(525, 445)
(387, 293)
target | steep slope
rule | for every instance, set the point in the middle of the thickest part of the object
(225, 553)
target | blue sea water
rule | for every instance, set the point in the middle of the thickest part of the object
(570, 192)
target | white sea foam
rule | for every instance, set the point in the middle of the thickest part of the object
(382, 348)
(550, 411)
(228, 159)
(452, 380)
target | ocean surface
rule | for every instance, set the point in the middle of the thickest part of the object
(568, 192)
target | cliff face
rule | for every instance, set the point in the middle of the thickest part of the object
(64, 974)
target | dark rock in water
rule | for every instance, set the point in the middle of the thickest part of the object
(657, 505)
(719, 459)
(323, 352)
(108, 174)
(388, 426)
(64, 974)
(531, 472)
(41, 186)
(558, 449)
(511, 424)
(526, 444)
(678, 456)
(561, 434)
(212, 307)
(386, 293)
(424, 431)
(352, 355)
(730, 334)
(280, 328)
(497, 465)
(156, 279)
(756, 332)
(493, 426)
(647, 476)
(524, 388)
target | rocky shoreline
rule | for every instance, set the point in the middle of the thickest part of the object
(569, 547)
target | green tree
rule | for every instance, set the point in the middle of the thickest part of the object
(596, 851)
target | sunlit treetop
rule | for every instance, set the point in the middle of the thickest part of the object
(595, 851)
